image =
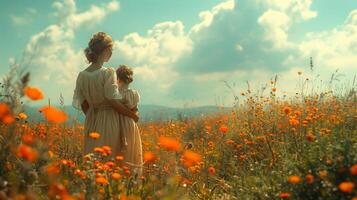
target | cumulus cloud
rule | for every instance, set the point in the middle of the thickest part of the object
(50, 56)
(234, 41)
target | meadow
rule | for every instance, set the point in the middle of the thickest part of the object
(301, 146)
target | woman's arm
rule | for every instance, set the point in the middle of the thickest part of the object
(85, 106)
(118, 106)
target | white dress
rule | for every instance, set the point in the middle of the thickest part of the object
(97, 87)
(133, 155)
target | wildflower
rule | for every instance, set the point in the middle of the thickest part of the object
(119, 158)
(323, 173)
(8, 119)
(354, 169)
(293, 121)
(94, 135)
(27, 152)
(212, 170)
(27, 138)
(101, 180)
(4, 110)
(53, 114)
(284, 195)
(33, 93)
(116, 176)
(169, 144)
(346, 186)
(149, 157)
(310, 137)
(287, 110)
(190, 158)
(309, 178)
(22, 116)
(273, 89)
(223, 129)
(294, 179)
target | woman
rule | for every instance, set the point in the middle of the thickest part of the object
(97, 95)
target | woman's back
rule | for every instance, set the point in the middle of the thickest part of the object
(96, 86)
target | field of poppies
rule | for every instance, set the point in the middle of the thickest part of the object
(302, 146)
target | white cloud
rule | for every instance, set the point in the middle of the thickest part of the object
(276, 25)
(208, 15)
(50, 56)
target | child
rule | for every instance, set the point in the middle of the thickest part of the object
(130, 98)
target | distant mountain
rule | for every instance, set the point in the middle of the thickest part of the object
(147, 113)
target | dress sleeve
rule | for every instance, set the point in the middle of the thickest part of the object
(110, 85)
(134, 98)
(78, 96)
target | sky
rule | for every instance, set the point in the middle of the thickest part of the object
(184, 53)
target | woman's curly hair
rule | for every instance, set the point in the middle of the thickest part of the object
(97, 44)
(125, 74)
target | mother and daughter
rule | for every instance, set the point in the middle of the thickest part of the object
(110, 106)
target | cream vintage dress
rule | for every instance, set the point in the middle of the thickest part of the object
(133, 155)
(97, 87)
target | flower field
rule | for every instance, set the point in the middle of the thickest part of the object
(302, 146)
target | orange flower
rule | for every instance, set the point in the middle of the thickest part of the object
(94, 135)
(116, 176)
(119, 158)
(284, 195)
(169, 144)
(8, 119)
(52, 169)
(33, 93)
(26, 152)
(27, 138)
(4, 110)
(293, 121)
(212, 170)
(294, 179)
(149, 157)
(309, 178)
(273, 89)
(101, 180)
(22, 116)
(346, 186)
(223, 129)
(53, 114)
(287, 110)
(190, 158)
(354, 169)
(310, 137)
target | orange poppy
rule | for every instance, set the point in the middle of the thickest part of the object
(149, 157)
(101, 180)
(346, 186)
(53, 114)
(94, 135)
(190, 158)
(33, 93)
(212, 170)
(354, 169)
(27, 152)
(169, 144)
(294, 179)
(309, 178)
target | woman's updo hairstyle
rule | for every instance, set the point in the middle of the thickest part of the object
(97, 44)
(125, 74)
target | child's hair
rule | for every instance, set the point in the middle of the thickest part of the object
(97, 44)
(125, 74)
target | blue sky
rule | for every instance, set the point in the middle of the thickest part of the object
(181, 51)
